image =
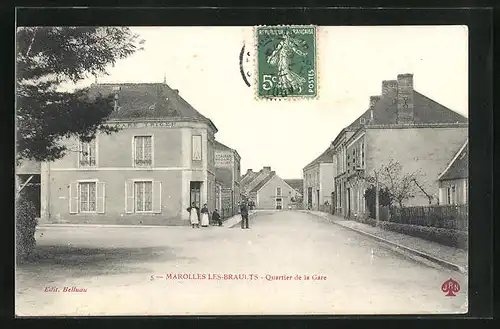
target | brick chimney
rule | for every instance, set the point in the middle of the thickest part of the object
(249, 171)
(405, 98)
(373, 101)
(267, 169)
(389, 86)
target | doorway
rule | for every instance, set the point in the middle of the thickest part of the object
(317, 198)
(349, 202)
(195, 193)
(309, 197)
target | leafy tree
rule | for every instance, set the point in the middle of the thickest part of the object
(49, 56)
(45, 116)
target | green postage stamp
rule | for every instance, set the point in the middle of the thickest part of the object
(286, 62)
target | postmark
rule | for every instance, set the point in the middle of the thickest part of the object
(286, 62)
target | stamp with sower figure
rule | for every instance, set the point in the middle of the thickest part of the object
(286, 62)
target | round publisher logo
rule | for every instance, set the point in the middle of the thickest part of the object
(450, 287)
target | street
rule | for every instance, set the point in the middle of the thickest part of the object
(180, 271)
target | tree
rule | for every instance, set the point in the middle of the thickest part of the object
(399, 185)
(49, 56)
(45, 116)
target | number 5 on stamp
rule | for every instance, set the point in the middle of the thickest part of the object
(286, 62)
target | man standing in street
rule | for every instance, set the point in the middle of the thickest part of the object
(244, 215)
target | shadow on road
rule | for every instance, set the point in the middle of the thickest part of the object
(51, 263)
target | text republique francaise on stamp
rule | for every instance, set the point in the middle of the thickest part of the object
(286, 62)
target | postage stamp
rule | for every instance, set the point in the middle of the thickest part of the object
(286, 62)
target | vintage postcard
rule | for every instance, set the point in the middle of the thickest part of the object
(246, 170)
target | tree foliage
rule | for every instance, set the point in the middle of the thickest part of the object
(398, 185)
(49, 56)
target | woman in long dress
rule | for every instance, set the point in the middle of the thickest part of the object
(204, 216)
(193, 215)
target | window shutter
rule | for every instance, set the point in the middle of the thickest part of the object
(129, 197)
(100, 197)
(157, 197)
(73, 198)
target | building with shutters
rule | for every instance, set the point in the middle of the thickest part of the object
(318, 181)
(148, 173)
(402, 125)
(228, 174)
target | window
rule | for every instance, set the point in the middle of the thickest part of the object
(362, 154)
(448, 195)
(362, 121)
(86, 197)
(143, 150)
(278, 191)
(196, 147)
(87, 154)
(142, 196)
(453, 195)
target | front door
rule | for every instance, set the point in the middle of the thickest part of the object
(195, 194)
(309, 196)
(317, 198)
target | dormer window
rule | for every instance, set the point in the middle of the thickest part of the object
(362, 121)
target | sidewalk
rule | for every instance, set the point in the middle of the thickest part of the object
(236, 219)
(450, 257)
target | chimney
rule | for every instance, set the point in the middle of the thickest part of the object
(405, 98)
(267, 169)
(374, 100)
(389, 86)
(249, 171)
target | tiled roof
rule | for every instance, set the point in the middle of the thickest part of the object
(459, 165)
(297, 184)
(325, 157)
(247, 178)
(218, 145)
(264, 181)
(425, 111)
(148, 101)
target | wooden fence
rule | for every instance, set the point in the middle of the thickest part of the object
(442, 216)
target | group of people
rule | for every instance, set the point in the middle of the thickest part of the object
(197, 216)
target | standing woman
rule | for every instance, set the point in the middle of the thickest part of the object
(193, 215)
(204, 216)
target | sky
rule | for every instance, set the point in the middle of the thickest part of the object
(203, 64)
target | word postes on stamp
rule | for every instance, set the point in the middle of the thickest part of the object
(286, 62)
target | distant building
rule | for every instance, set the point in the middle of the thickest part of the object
(318, 181)
(403, 125)
(228, 173)
(296, 184)
(454, 180)
(269, 191)
(149, 172)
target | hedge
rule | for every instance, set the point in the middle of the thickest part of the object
(447, 237)
(26, 222)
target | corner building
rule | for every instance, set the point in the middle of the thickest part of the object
(148, 173)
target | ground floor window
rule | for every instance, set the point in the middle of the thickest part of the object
(279, 203)
(87, 196)
(143, 196)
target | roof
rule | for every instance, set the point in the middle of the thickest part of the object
(425, 111)
(263, 182)
(255, 180)
(246, 178)
(148, 101)
(219, 146)
(458, 167)
(325, 157)
(297, 184)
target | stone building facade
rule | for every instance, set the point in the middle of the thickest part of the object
(149, 172)
(400, 125)
(228, 174)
